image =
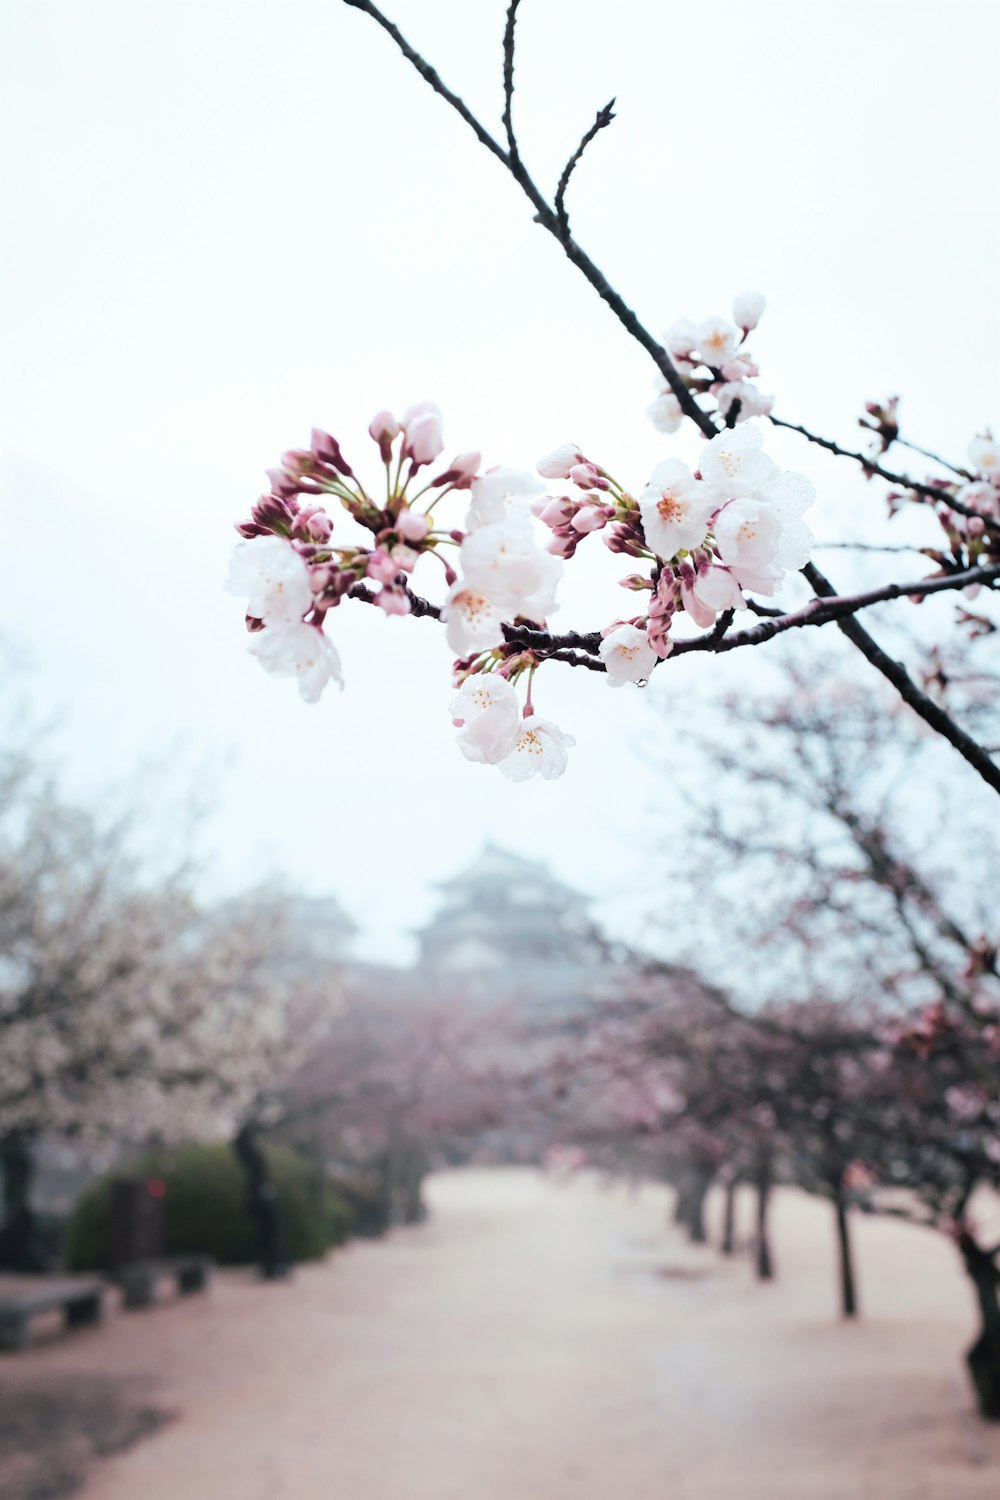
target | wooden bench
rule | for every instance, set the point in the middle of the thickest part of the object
(80, 1301)
(139, 1280)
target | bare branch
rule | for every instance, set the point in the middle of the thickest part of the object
(932, 713)
(602, 119)
(929, 491)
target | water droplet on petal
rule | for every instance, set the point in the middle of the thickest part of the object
(642, 682)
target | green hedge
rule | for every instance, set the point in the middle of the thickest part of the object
(204, 1210)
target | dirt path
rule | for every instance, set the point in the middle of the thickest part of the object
(538, 1342)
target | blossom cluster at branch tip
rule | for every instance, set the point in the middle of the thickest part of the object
(712, 359)
(294, 566)
(702, 538)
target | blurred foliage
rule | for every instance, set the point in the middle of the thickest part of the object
(205, 1211)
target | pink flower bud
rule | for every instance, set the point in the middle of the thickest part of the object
(423, 436)
(405, 557)
(384, 429)
(557, 512)
(591, 517)
(381, 566)
(393, 600)
(585, 475)
(327, 450)
(461, 472)
(412, 525)
(563, 543)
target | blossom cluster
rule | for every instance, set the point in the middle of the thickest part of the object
(705, 538)
(712, 359)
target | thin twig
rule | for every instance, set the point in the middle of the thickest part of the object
(602, 120)
(546, 215)
(930, 491)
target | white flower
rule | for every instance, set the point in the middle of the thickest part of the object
(301, 651)
(627, 655)
(557, 464)
(681, 338)
(716, 340)
(675, 508)
(505, 560)
(760, 536)
(488, 714)
(539, 750)
(789, 495)
(734, 463)
(499, 494)
(748, 307)
(711, 592)
(747, 532)
(473, 618)
(665, 412)
(753, 402)
(274, 577)
(984, 454)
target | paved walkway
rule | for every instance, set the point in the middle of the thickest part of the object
(543, 1342)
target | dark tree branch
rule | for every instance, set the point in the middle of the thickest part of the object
(508, 80)
(929, 491)
(601, 122)
(894, 671)
(546, 215)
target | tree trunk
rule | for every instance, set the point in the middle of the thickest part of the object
(682, 1200)
(20, 1245)
(729, 1216)
(262, 1206)
(848, 1285)
(765, 1262)
(696, 1212)
(983, 1358)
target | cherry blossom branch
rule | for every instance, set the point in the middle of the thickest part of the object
(823, 610)
(929, 491)
(545, 213)
(602, 120)
(935, 458)
(932, 713)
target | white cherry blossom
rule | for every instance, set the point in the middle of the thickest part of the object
(716, 340)
(627, 655)
(789, 495)
(675, 509)
(748, 532)
(984, 454)
(734, 463)
(665, 412)
(473, 618)
(539, 750)
(753, 401)
(298, 650)
(274, 579)
(487, 714)
(506, 561)
(499, 494)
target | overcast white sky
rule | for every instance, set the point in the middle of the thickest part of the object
(227, 220)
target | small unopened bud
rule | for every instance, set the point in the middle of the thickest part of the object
(385, 430)
(412, 525)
